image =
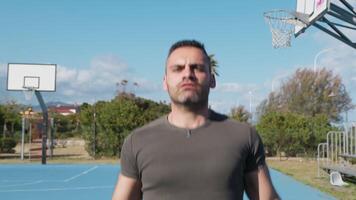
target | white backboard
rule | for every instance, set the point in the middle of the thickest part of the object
(41, 77)
(314, 9)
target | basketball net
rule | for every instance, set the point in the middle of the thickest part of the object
(28, 92)
(282, 23)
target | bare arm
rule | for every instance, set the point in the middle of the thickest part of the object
(127, 189)
(259, 185)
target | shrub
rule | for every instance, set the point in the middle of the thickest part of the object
(7, 145)
(292, 133)
(114, 121)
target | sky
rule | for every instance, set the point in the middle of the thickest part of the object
(97, 44)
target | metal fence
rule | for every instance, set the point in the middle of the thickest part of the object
(338, 151)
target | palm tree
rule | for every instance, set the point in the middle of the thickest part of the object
(124, 83)
(214, 65)
(240, 114)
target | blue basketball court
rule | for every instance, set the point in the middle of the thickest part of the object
(96, 182)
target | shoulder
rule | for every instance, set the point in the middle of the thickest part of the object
(228, 123)
(151, 127)
(242, 131)
(147, 134)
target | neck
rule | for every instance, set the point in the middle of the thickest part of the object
(184, 117)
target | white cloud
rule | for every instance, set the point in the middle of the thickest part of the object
(221, 106)
(104, 71)
(235, 87)
(100, 80)
(231, 94)
(84, 76)
(229, 87)
(65, 74)
(342, 61)
(96, 82)
(109, 63)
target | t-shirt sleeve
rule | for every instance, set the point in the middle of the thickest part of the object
(128, 159)
(256, 153)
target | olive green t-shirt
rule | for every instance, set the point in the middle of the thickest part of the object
(208, 162)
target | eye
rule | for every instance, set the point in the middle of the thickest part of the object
(177, 68)
(200, 68)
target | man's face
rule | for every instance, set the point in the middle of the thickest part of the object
(188, 77)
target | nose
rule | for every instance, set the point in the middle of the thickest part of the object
(189, 72)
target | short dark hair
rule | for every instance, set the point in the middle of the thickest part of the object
(188, 43)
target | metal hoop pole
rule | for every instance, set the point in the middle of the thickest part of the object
(45, 126)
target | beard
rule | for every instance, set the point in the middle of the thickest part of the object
(188, 98)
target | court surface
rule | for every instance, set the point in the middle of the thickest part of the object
(96, 182)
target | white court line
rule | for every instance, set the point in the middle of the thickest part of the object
(7, 181)
(60, 189)
(80, 174)
(22, 184)
(41, 181)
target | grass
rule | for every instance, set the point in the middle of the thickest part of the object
(62, 154)
(305, 171)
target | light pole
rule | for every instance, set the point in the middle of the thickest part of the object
(317, 56)
(250, 94)
(94, 129)
(25, 119)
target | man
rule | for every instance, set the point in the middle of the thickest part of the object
(193, 152)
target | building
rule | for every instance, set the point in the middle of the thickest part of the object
(64, 110)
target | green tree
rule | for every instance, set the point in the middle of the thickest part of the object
(86, 114)
(66, 126)
(240, 114)
(2, 119)
(310, 93)
(292, 133)
(114, 120)
(11, 118)
(7, 145)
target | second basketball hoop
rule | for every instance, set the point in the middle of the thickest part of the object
(282, 24)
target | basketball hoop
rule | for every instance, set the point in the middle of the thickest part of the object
(282, 23)
(28, 92)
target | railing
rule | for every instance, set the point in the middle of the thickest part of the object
(321, 157)
(340, 146)
(335, 141)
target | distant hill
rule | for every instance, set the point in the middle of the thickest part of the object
(37, 108)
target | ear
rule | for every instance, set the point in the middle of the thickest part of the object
(212, 81)
(165, 86)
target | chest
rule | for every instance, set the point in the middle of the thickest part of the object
(188, 159)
